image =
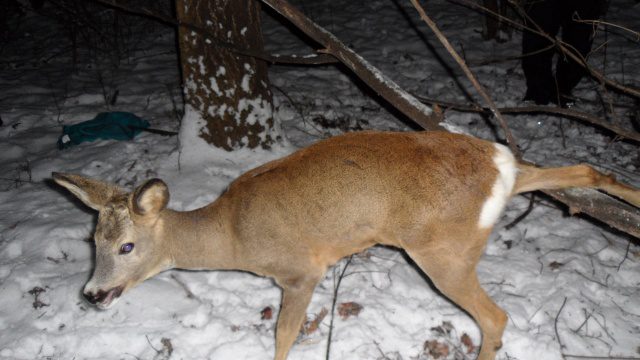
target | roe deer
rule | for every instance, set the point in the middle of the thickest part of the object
(436, 195)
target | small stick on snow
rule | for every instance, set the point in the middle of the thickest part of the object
(587, 316)
(190, 294)
(333, 306)
(524, 214)
(555, 326)
(590, 279)
(150, 344)
(626, 253)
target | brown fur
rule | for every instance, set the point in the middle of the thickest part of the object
(292, 218)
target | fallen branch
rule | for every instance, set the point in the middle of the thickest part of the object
(602, 207)
(569, 113)
(374, 78)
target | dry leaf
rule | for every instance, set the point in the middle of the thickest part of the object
(312, 326)
(436, 349)
(555, 265)
(266, 313)
(347, 309)
(468, 343)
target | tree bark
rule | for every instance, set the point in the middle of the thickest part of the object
(229, 91)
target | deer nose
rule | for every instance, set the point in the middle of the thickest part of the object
(95, 298)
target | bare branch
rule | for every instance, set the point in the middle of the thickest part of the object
(591, 202)
(374, 78)
(636, 34)
(569, 113)
(483, 93)
(312, 59)
(563, 47)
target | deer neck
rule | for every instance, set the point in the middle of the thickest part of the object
(199, 239)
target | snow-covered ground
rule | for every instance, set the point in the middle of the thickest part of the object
(568, 285)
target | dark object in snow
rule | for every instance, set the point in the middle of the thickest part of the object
(543, 86)
(109, 125)
(37, 303)
(348, 309)
(266, 313)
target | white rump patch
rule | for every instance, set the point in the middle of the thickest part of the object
(502, 188)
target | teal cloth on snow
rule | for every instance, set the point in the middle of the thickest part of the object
(108, 125)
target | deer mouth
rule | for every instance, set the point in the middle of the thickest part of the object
(109, 298)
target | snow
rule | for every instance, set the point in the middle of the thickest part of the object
(529, 269)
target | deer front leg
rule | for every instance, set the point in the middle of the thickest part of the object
(296, 295)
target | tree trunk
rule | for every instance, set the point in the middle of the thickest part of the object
(230, 92)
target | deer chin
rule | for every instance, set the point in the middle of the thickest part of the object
(111, 298)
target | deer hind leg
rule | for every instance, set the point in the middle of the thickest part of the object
(455, 276)
(296, 295)
(532, 178)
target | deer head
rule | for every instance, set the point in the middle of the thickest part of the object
(128, 245)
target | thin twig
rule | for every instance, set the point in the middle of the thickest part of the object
(150, 344)
(563, 47)
(626, 253)
(333, 305)
(483, 93)
(312, 59)
(569, 113)
(555, 325)
(184, 286)
(587, 316)
(509, 58)
(369, 74)
(524, 214)
(590, 279)
(635, 34)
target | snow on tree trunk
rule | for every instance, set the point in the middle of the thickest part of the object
(228, 101)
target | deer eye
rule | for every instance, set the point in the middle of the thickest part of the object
(126, 248)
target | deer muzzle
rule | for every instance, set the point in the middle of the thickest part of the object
(104, 299)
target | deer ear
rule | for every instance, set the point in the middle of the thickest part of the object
(93, 193)
(150, 198)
